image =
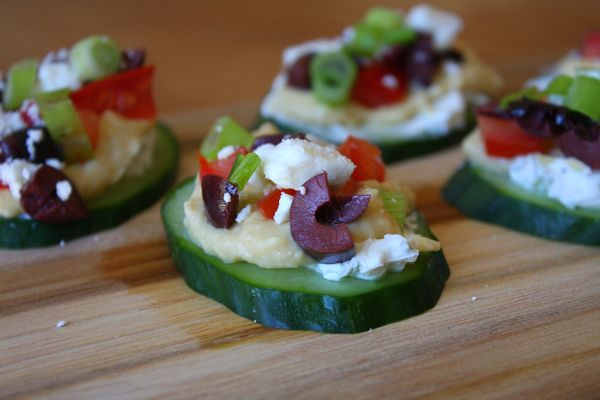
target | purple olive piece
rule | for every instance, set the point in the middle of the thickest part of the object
(395, 56)
(587, 151)
(39, 198)
(132, 58)
(343, 209)
(14, 146)
(328, 244)
(298, 74)
(275, 139)
(421, 60)
(221, 200)
(577, 134)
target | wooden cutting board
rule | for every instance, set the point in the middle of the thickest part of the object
(520, 318)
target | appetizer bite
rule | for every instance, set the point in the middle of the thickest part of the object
(80, 149)
(294, 233)
(534, 160)
(399, 81)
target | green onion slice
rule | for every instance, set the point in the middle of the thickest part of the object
(332, 77)
(243, 168)
(224, 132)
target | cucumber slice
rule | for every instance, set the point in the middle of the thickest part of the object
(398, 150)
(493, 198)
(300, 298)
(20, 82)
(124, 199)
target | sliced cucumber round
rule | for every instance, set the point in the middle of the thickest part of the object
(491, 197)
(392, 151)
(124, 199)
(300, 298)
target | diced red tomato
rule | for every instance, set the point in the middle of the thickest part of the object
(350, 188)
(128, 93)
(591, 45)
(219, 167)
(505, 138)
(3, 186)
(378, 85)
(366, 157)
(268, 205)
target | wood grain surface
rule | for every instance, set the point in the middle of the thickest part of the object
(520, 316)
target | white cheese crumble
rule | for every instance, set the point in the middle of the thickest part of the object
(390, 81)
(63, 190)
(55, 163)
(225, 152)
(443, 26)
(243, 214)
(62, 323)
(374, 257)
(56, 73)
(567, 180)
(33, 136)
(302, 190)
(15, 174)
(227, 197)
(283, 209)
(294, 161)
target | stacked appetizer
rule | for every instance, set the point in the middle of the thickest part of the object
(294, 233)
(399, 81)
(534, 161)
(79, 147)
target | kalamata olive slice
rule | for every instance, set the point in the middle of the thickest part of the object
(327, 244)
(275, 139)
(132, 58)
(221, 200)
(298, 74)
(587, 151)
(343, 209)
(50, 196)
(32, 144)
(421, 62)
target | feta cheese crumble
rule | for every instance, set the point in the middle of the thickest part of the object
(292, 162)
(243, 214)
(227, 198)
(443, 26)
(33, 136)
(283, 209)
(374, 257)
(567, 180)
(225, 152)
(63, 190)
(56, 73)
(15, 174)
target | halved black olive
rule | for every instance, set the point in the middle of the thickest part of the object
(221, 200)
(318, 230)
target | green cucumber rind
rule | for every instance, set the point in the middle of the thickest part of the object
(302, 309)
(400, 150)
(18, 233)
(478, 198)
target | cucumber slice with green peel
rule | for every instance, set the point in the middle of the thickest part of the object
(392, 151)
(64, 125)
(124, 199)
(20, 82)
(300, 298)
(491, 197)
(95, 57)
